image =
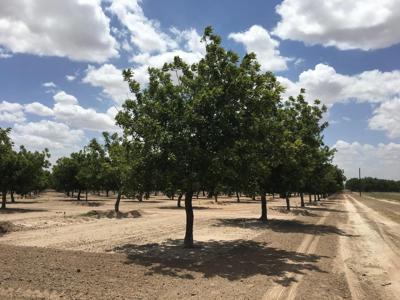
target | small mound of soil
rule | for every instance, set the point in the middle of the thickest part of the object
(111, 214)
(6, 227)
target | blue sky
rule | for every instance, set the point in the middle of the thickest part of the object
(60, 64)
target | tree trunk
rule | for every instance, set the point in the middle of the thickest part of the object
(263, 217)
(86, 195)
(188, 242)
(68, 194)
(117, 202)
(4, 200)
(273, 195)
(12, 197)
(197, 194)
(309, 198)
(318, 198)
(315, 198)
(302, 199)
(107, 193)
(140, 197)
(287, 202)
(179, 199)
(237, 197)
(79, 195)
(216, 197)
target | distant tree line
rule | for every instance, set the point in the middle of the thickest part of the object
(369, 184)
(21, 172)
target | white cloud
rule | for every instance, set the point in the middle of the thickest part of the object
(58, 133)
(191, 51)
(145, 33)
(70, 77)
(57, 137)
(64, 133)
(12, 117)
(11, 112)
(155, 46)
(77, 29)
(324, 83)
(110, 79)
(85, 118)
(356, 24)
(49, 84)
(258, 40)
(39, 109)
(387, 117)
(10, 107)
(68, 110)
(382, 161)
(144, 61)
(64, 98)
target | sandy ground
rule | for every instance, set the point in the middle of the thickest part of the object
(345, 247)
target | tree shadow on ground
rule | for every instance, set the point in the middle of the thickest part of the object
(141, 202)
(183, 207)
(295, 211)
(22, 201)
(232, 260)
(284, 226)
(15, 210)
(82, 201)
(89, 203)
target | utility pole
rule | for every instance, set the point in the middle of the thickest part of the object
(359, 179)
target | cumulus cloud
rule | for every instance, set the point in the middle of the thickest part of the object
(11, 112)
(66, 129)
(324, 83)
(86, 118)
(68, 110)
(38, 109)
(155, 47)
(187, 45)
(387, 118)
(145, 33)
(382, 161)
(258, 40)
(77, 29)
(57, 137)
(110, 79)
(64, 98)
(356, 24)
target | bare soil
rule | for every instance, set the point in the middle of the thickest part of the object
(339, 248)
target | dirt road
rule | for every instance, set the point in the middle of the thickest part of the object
(341, 248)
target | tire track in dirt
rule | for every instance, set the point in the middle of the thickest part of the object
(372, 260)
(308, 246)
